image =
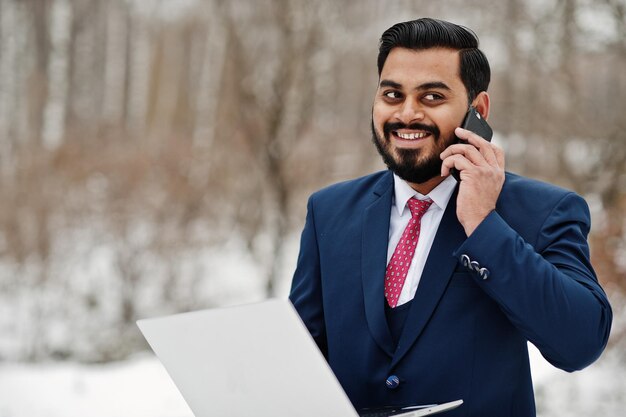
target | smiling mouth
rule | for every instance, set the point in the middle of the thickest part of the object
(410, 136)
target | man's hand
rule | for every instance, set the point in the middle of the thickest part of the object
(481, 166)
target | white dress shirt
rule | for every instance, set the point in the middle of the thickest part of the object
(400, 216)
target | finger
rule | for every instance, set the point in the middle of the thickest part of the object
(485, 147)
(457, 161)
(452, 149)
(499, 156)
(468, 151)
(494, 155)
(468, 135)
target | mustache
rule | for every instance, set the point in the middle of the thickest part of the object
(389, 127)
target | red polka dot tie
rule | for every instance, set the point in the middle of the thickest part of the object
(403, 254)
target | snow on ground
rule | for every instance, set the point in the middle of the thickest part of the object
(141, 387)
(599, 390)
(135, 388)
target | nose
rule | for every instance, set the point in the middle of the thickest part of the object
(409, 111)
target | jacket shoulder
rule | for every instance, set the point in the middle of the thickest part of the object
(347, 199)
(349, 190)
(526, 203)
(515, 183)
(522, 193)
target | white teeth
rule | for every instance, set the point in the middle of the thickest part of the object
(411, 135)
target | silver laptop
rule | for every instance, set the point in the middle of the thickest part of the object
(252, 360)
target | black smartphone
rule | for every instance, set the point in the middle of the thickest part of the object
(473, 122)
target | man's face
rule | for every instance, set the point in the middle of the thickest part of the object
(419, 102)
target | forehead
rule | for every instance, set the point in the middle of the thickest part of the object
(415, 67)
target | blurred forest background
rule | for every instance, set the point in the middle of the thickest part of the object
(156, 156)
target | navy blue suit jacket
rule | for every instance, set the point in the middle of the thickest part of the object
(465, 337)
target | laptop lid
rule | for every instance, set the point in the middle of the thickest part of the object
(252, 360)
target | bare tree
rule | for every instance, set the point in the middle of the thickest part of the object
(140, 143)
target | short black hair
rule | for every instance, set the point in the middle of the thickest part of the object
(429, 33)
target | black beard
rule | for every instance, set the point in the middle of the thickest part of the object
(407, 166)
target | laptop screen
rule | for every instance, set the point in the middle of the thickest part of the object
(252, 360)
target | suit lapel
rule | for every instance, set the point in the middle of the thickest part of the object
(437, 272)
(374, 261)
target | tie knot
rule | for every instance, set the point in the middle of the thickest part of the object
(419, 207)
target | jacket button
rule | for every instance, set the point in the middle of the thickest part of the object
(484, 273)
(392, 382)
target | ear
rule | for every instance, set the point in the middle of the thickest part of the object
(481, 104)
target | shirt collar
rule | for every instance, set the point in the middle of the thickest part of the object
(440, 195)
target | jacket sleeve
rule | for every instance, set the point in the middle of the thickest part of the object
(306, 287)
(547, 289)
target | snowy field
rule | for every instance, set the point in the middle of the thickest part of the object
(140, 387)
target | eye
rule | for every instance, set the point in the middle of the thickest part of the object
(392, 95)
(433, 97)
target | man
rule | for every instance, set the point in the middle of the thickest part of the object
(493, 261)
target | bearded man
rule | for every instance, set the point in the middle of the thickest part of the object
(422, 289)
